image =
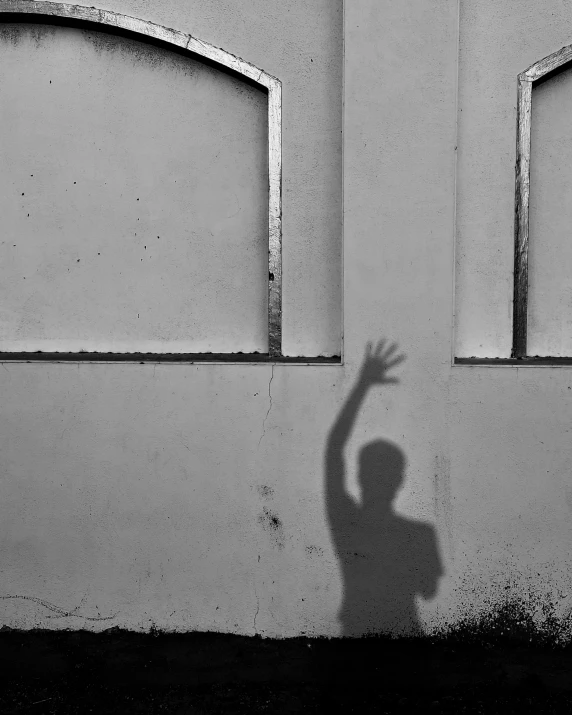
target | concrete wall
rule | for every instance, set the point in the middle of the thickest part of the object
(136, 204)
(497, 42)
(210, 496)
(550, 290)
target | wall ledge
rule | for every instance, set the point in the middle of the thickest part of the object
(171, 358)
(515, 362)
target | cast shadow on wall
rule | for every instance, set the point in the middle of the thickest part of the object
(386, 559)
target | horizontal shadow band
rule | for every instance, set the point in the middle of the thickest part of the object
(163, 357)
(518, 362)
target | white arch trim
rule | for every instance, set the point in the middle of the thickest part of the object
(185, 41)
(526, 80)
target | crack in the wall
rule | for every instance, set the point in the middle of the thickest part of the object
(61, 613)
(269, 406)
(257, 610)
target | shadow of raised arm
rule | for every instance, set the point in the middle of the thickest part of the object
(376, 364)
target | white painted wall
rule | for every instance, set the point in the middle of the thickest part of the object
(193, 497)
(497, 42)
(550, 251)
(136, 204)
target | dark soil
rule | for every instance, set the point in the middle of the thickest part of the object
(123, 672)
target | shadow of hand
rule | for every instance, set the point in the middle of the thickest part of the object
(377, 362)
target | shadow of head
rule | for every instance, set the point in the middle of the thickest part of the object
(381, 472)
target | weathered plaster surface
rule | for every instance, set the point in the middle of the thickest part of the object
(300, 44)
(192, 497)
(498, 41)
(136, 211)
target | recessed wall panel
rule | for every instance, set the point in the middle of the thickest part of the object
(133, 190)
(550, 233)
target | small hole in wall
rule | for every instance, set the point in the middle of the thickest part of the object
(271, 276)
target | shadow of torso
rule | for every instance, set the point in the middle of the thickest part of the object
(386, 560)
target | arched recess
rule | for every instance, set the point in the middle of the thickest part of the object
(538, 71)
(24, 10)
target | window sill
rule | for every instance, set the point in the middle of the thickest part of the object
(515, 362)
(171, 358)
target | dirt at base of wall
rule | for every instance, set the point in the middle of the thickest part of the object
(118, 672)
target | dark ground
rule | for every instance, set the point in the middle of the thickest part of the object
(122, 672)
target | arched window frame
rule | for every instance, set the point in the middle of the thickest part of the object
(526, 80)
(24, 10)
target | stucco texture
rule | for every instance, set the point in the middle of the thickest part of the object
(217, 497)
(136, 205)
(498, 41)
